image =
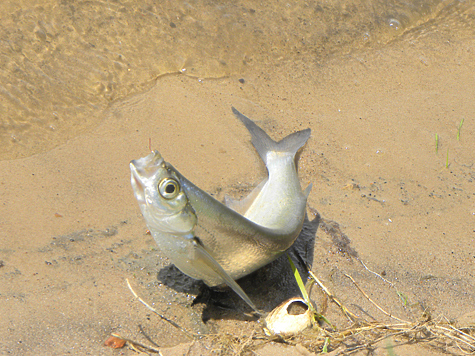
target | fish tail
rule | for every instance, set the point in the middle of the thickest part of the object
(264, 144)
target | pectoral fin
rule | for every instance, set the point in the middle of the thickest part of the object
(208, 260)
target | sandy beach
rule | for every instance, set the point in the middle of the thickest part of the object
(72, 233)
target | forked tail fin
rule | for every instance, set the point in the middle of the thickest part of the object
(264, 144)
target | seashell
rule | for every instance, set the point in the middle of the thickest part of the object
(289, 318)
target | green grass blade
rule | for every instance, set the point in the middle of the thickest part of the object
(325, 345)
(304, 293)
(319, 316)
(403, 298)
(390, 348)
(460, 127)
(299, 281)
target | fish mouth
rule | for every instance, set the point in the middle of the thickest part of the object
(143, 170)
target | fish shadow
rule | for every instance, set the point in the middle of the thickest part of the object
(267, 287)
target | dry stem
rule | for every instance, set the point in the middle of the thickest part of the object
(157, 313)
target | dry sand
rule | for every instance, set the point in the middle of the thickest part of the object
(71, 231)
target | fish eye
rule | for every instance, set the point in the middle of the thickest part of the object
(168, 188)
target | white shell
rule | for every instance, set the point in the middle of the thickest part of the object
(279, 321)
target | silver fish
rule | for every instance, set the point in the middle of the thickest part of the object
(218, 243)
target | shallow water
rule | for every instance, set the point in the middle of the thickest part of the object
(62, 63)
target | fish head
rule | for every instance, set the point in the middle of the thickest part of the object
(162, 200)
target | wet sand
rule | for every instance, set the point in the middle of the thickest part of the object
(71, 231)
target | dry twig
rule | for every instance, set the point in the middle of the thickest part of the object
(160, 315)
(376, 305)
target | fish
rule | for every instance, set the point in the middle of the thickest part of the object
(220, 242)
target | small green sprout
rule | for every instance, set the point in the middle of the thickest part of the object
(436, 143)
(325, 345)
(403, 298)
(390, 348)
(458, 133)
